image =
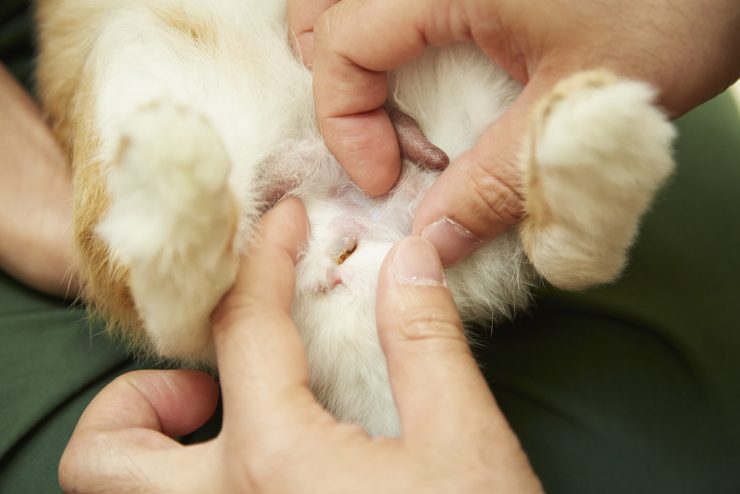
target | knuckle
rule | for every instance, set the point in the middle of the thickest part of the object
(79, 468)
(234, 309)
(432, 324)
(330, 28)
(321, 28)
(495, 194)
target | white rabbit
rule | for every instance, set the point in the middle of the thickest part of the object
(185, 119)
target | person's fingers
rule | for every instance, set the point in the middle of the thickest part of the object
(355, 43)
(171, 402)
(479, 196)
(121, 441)
(302, 15)
(437, 386)
(260, 354)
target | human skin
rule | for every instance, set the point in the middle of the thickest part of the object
(687, 49)
(35, 197)
(276, 438)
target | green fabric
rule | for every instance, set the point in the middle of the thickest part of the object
(52, 364)
(16, 47)
(632, 388)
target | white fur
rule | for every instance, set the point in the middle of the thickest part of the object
(172, 221)
(185, 114)
(601, 153)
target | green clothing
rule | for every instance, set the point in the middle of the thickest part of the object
(634, 387)
(16, 47)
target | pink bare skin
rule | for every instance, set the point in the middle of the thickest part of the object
(685, 49)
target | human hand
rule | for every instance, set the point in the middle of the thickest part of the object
(302, 16)
(275, 436)
(685, 49)
(412, 143)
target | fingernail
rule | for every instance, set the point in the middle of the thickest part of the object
(452, 240)
(415, 262)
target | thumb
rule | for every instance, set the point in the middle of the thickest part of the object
(479, 196)
(121, 442)
(432, 371)
(171, 402)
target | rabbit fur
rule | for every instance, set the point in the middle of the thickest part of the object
(185, 119)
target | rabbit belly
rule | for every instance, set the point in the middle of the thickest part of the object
(334, 307)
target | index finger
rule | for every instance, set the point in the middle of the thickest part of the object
(356, 42)
(259, 351)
